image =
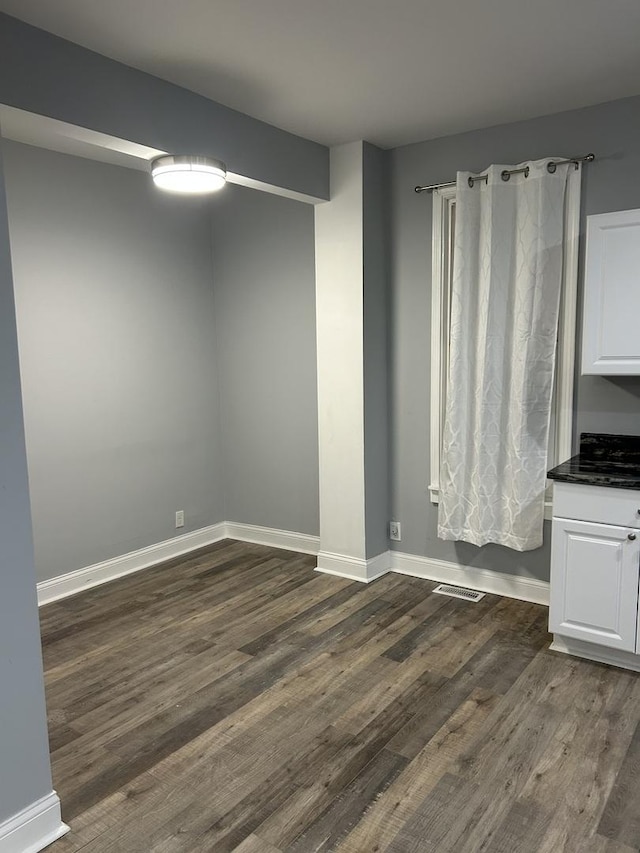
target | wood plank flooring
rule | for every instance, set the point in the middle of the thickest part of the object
(235, 700)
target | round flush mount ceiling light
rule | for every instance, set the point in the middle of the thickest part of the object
(179, 173)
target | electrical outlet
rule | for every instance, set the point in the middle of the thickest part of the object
(395, 532)
(180, 518)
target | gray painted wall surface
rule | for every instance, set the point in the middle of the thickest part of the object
(375, 349)
(24, 752)
(47, 75)
(263, 251)
(612, 131)
(115, 308)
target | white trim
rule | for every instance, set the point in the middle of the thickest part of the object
(352, 568)
(34, 828)
(441, 204)
(484, 580)
(378, 566)
(108, 570)
(600, 654)
(434, 495)
(285, 539)
(77, 581)
(566, 355)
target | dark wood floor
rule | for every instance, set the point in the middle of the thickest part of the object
(236, 700)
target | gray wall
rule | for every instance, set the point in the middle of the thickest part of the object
(375, 351)
(263, 250)
(115, 308)
(612, 131)
(24, 751)
(47, 75)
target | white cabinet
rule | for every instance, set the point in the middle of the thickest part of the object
(610, 337)
(595, 571)
(594, 594)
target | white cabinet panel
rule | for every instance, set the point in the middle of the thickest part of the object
(594, 583)
(602, 504)
(611, 340)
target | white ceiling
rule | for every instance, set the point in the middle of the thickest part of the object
(388, 71)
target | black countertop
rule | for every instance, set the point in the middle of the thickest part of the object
(604, 460)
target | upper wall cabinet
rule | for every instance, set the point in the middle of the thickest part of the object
(611, 325)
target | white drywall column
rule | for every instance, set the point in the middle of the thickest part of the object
(29, 808)
(343, 419)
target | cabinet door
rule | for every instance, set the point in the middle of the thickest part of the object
(594, 583)
(610, 338)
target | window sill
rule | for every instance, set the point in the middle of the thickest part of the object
(434, 497)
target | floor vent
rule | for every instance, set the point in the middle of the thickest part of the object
(459, 592)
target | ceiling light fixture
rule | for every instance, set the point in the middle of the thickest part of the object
(188, 174)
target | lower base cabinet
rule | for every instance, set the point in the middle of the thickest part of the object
(595, 567)
(594, 588)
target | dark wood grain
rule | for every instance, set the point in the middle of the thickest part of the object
(234, 700)
(345, 810)
(621, 818)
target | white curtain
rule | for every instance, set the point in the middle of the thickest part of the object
(507, 275)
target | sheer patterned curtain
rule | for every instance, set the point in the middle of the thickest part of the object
(507, 275)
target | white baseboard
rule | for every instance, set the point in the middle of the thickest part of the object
(286, 539)
(591, 651)
(81, 579)
(378, 566)
(484, 580)
(34, 828)
(352, 568)
(77, 581)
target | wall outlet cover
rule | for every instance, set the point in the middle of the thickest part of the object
(180, 518)
(395, 532)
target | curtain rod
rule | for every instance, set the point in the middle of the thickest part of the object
(552, 165)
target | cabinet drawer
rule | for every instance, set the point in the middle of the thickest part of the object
(597, 503)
